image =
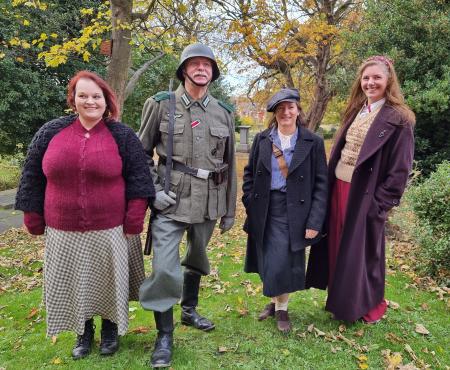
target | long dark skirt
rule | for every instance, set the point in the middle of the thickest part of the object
(281, 270)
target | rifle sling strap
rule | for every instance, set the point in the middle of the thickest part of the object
(169, 149)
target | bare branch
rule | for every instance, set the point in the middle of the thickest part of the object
(144, 16)
(136, 75)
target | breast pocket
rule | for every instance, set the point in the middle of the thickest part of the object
(178, 130)
(218, 141)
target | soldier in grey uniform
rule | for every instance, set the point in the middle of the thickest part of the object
(202, 190)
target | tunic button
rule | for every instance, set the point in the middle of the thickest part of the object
(370, 169)
(301, 178)
(196, 156)
(366, 192)
(197, 138)
(259, 172)
(302, 201)
(256, 196)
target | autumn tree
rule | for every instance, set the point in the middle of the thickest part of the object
(296, 42)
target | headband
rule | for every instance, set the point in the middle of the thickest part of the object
(381, 58)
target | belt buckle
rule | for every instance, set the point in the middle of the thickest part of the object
(203, 174)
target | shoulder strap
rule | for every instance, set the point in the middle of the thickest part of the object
(169, 149)
(226, 106)
(162, 95)
(280, 159)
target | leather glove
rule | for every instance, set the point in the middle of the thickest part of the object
(163, 200)
(226, 223)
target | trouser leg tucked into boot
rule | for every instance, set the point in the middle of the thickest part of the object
(84, 342)
(109, 343)
(189, 301)
(162, 354)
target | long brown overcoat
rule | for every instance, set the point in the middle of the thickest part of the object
(380, 176)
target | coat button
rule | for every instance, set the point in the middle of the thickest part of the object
(300, 178)
(259, 172)
(256, 196)
(302, 201)
(366, 192)
(370, 169)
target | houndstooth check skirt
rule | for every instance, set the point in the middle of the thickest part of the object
(90, 273)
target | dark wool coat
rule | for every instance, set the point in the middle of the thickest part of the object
(138, 182)
(306, 191)
(380, 176)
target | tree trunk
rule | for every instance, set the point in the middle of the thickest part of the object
(322, 93)
(117, 74)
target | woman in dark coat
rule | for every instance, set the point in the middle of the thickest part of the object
(285, 192)
(86, 184)
(367, 172)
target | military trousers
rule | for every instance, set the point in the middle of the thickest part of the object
(163, 288)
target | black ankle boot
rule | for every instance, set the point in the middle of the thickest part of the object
(84, 342)
(189, 301)
(162, 354)
(109, 343)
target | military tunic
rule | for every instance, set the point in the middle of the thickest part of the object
(203, 138)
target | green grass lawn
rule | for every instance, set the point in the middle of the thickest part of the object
(9, 176)
(232, 299)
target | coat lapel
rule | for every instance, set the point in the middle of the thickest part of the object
(379, 133)
(266, 150)
(303, 146)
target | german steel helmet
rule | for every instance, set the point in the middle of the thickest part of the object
(198, 50)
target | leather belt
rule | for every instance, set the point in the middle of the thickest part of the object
(197, 172)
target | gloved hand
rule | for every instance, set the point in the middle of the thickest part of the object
(163, 200)
(226, 223)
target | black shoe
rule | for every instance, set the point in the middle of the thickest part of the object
(189, 301)
(109, 343)
(84, 342)
(190, 317)
(162, 353)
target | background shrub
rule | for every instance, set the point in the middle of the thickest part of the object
(430, 201)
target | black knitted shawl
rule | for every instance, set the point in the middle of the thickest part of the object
(138, 181)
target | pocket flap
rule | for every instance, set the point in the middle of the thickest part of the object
(219, 131)
(164, 127)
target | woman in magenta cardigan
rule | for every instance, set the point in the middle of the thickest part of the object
(86, 184)
(367, 173)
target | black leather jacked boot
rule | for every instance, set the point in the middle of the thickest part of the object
(84, 342)
(162, 354)
(109, 343)
(189, 301)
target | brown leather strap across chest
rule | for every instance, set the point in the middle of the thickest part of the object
(278, 153)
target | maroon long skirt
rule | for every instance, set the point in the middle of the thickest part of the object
(338, 207)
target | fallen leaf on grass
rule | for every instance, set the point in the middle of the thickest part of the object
(32, 313)
(56, 361)
(411, 352)
(393, 305)
(310, 328)
(54, 339)
(242, 312)
(421, 329)
(335, 349)
(424, 307)
(319, 333)
(392, 360)
(409, 366)
(359, 333)
(222, 349)
(391, 337)
(342, 328)
(140, 330)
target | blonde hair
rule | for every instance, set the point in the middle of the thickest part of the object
(393, 94)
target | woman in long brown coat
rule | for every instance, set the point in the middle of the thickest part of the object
(368, 171)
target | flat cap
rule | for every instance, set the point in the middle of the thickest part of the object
(281, 96)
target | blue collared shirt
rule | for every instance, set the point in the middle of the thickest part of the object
(278, 181)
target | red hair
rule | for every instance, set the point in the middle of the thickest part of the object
(112, 107)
